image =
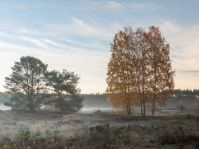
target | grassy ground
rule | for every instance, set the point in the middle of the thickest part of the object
(98, 130)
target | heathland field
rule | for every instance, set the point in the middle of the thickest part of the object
(111, 130)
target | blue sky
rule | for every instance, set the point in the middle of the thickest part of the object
(76, 35)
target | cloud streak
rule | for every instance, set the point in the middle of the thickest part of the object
(115, 5)
(189, 71)
(184, 43)
(81, 28)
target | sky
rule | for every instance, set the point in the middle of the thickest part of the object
(76, 35)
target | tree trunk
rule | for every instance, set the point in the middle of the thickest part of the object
(141, 106)
(153, 104)
(144, 108)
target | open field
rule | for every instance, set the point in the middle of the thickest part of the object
(143, 132)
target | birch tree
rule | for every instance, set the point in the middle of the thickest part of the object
(161, 73)
(119, 88)
(139, 70)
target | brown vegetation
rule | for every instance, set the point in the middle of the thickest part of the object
(101, 130)
(139, 70)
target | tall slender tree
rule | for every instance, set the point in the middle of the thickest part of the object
(140, 65)
(161, 73)
(119, 82)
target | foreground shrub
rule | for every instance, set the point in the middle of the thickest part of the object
(177, 135)
(99, 137)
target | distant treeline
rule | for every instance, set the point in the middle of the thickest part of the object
(96, 95)
(100, 99)
(102, 96)
(186, 92)
(177, 92)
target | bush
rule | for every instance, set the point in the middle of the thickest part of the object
(24, 134)
(176, 136)
(181, 107)
(73, 104)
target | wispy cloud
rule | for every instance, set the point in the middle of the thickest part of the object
(189, 71)
(115, 5)
(14, 6)
(133, 6)
(112, 5)
(36, 42)
(87, 45)
(81, 28)
(48, 44)
(184, 43)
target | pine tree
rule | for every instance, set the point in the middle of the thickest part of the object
(26, 84)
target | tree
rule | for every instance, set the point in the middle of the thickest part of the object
(139, 69)
(119, 90)
(139, 64)
(161, 73)
(25, 84)
(63, 89)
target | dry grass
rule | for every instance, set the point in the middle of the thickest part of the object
(96, 131)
